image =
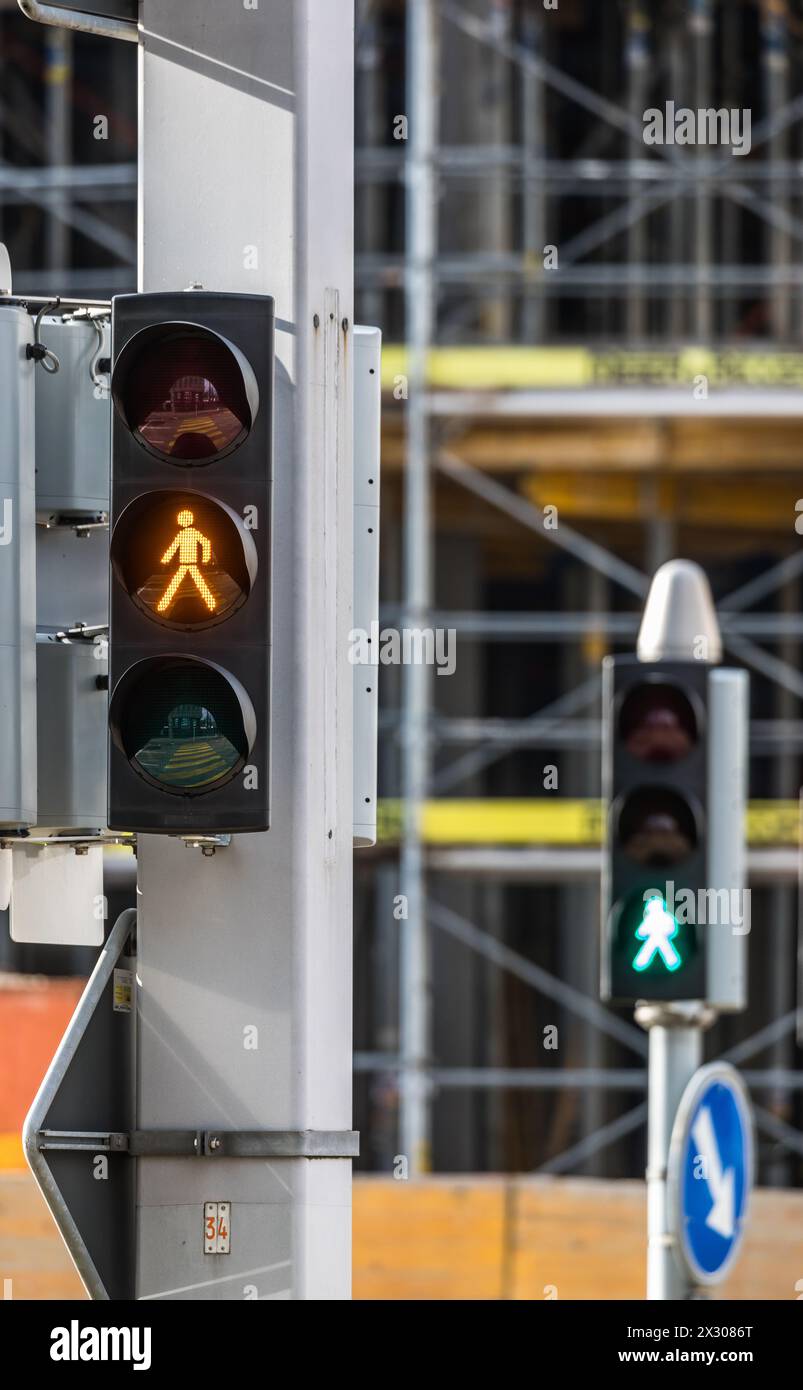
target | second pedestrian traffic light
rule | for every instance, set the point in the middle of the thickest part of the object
(189, 713)
(656, 870)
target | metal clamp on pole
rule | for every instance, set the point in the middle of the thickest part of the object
(267, 1143)
(189, 1143)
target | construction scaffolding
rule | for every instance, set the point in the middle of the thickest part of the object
(578, 325)
(593, 328)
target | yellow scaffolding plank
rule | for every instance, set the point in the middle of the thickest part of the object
(501, 368)
(525, 368)
(545, 821)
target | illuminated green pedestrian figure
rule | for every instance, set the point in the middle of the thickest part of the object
(657, 931)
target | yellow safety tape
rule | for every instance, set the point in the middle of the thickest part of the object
(541, 821)
(526, 368)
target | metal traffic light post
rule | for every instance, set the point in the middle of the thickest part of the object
(246, 188)
(235, 705)
(675, 738)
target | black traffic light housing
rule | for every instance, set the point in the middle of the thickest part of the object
(190, 595)
(655, 790)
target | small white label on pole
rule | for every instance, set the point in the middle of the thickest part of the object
(123, 989)
(217, 1228)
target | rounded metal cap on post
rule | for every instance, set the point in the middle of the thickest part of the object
(680, 621)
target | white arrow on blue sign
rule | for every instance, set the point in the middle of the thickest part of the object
(710, 1171)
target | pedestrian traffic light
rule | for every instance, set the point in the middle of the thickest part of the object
(189, 714)
(655, 785)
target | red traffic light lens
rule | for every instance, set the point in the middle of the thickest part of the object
(657, 723)
(187, 395)
(656, 826)
(184, 559)
(184, 724)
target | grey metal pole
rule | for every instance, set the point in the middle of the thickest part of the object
(422, 102)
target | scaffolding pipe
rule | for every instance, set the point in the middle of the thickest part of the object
(700, 28)
(534, 199)
(637, 63)
(369, 118)
(421, 241)
(731, 20)
(58, 134)
(678, 208)
(775, 64)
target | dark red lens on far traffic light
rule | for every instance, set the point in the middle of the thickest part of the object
(657, 723)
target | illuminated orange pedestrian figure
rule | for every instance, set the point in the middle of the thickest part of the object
(187, 543)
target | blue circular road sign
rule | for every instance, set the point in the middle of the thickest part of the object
(710, 1171)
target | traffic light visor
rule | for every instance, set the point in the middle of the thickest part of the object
(188, 395)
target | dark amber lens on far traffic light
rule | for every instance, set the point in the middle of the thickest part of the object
(657, 723)
(656, 826)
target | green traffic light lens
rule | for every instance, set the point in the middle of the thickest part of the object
(650, 934)
(190, 752)
(184, 724)
(657, 931)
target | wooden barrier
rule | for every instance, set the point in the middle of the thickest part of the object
(467, 1238)
(541, 1238)
(34, 1012)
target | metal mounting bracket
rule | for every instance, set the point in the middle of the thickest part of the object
(106, 25)
(207, 844)
(202, 1143)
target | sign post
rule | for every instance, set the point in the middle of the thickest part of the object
(246, 187)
